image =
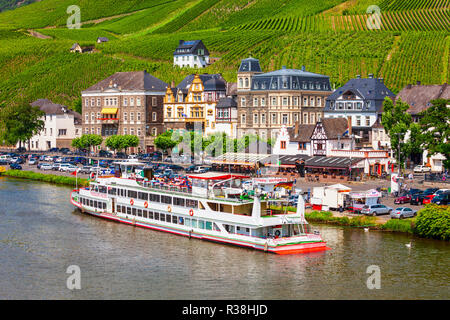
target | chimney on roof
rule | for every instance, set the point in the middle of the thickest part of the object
(349, 124)
(296, 129)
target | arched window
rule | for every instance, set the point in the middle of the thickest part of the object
(246, 83)
(240, 83)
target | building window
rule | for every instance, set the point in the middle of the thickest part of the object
(99, 102)
(154, 116)
(283, 145)
(319, 116)
(138, 102)
(263, 118)
(311, 102)
(131, 116)
(305, 102)
(285, 101)
(247, 83)
(285, 118)
(131, 101)
(86, 102)
(92, 102)
(92, 116)
(295, 101)
(319, 102)
(132, 131)
(125, 116)
(125, 102)
(274, 118)
(139, 132)
(243, 119)
(340, 105)
(358, 121)
(242, 102)
(86, 116)
(125, 131)
(274, 101)
(240, 83)
(154, 131)
(367, 121)
(313, 120)
(255, 102)
(263, 102)
(138, 116)
(62, 132)
(255, 118)
(305, 118)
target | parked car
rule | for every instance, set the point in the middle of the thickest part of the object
(201, 169)
(418, 198)
(65, 151)
(85, 169)
(17, 160)
(21, 149)
(105, 154)
(442, 198)
(403, 212)
(403, 199)
(190, 168)
(64, 166)
(33, 161)
(45, 166)
(53, 150)
(15, 166)
(421, 169)
(376, 209)
(55, 166)
(121, 155)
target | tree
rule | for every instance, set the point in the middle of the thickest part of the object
(114, 143)
(90, 140)
(20, 123)
(397, 123)
(164, 141)
(77, 106)
(435, 126)
(129, 141)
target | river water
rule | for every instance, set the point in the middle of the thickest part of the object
(41, 235)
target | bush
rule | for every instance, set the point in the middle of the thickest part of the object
(433, 221)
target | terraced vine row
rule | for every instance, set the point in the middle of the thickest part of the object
(399, 5)
(417, 20)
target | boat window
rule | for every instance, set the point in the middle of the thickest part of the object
(216, 227)
(95, 204)
(201, 224)
(154, 197)
(134, 211)
(208, 225)
(180, 220)
(132, 194)
(194, 223)
(174, 219)
(150, 214)
(166, 199)
(128, 210)
(187, 222)
(191, 203)
(113, 191)
(104, 205)
(143, 196)
(119, 209)
(156, 215)
(139, 212)
(102, 189)
(162, 217)
(178, 202)
(168, 218)
(145, 212)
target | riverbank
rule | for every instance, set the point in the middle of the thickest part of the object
(44, 177)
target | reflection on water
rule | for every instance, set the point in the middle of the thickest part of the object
(41, 235)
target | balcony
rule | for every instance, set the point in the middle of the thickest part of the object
(108, 120)
(359, 153)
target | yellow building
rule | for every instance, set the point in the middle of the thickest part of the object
(192, 104)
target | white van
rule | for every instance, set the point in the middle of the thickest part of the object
(5, 158)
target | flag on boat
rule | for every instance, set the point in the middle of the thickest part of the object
(74, 173)
(286, 185)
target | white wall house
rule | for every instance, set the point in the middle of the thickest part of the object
(61, 126)
(191, 54)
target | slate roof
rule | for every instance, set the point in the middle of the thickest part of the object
(103, 39)
(370, 89)
(250, 65)
(419, 96)
(291, 79)
(304, 133)
(226, 103)
(218, 83)
(54, 109)
(130, 81)
(190, 47)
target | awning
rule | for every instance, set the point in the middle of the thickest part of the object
(217, 176)
(109, 110)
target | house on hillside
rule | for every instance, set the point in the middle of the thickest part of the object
(102, 39)
(77, 48)
(191, 54)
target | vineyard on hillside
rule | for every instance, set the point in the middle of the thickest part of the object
(399, 5)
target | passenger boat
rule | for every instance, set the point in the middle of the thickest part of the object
(209, 206)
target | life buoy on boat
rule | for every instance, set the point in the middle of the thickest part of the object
(131, 201)
(169, 208)
(277, 233)
(145, 204)
(191, 212)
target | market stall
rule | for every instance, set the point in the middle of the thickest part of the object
(359, 199)
(329, 197)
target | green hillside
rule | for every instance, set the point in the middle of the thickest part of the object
(331, 37)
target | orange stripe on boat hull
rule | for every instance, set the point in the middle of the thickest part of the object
(301, 248)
